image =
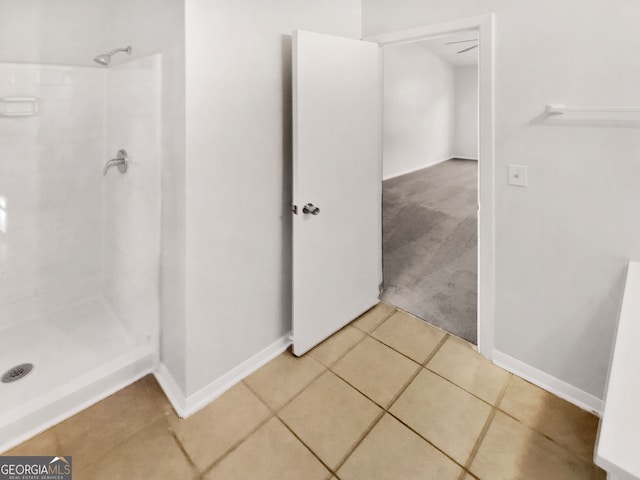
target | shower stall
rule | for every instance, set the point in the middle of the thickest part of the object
(79, 242)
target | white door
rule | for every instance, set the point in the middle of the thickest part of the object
(337, 168)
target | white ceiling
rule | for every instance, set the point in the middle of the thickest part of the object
(448, 52)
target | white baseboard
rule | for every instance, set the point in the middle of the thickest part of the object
(406, 172)
(186, 406)
(568, 392)
(171, 389)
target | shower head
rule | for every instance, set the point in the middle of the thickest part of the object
(102, 59)
(105, 58)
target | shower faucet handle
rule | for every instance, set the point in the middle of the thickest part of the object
(122, 161)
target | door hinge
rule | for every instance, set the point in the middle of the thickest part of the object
(294, 209)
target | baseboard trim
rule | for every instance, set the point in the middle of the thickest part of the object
(568, 392)
(171, 389)
(407, 172)
(460, 157)
(186, 406)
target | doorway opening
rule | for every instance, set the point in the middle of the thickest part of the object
(437, 242)
(430, 181)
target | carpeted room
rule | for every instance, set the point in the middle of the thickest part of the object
(430, 187)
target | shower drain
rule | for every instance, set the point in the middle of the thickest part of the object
(17, 372)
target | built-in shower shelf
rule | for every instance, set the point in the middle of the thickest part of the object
(18, 106)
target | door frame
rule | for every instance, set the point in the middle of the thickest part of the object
(486, 147)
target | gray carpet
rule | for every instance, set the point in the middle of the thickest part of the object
(430, 245)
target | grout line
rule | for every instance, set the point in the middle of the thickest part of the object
(235, 446)
(485, 428)
(275, 414)
(366, 334)
(480, 439)
(430, 324)
(462, 388)
(395, 350)
(183, 449)
(344, 354)
(442, 341)
(276, 411)
(120, 441)
(498, 408)
(385, 409)
(306, 446)
(364, 435)
(427, 440)
(384, 319)
(564, 449)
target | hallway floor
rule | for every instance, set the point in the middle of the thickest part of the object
(387, 397)
(430, 245)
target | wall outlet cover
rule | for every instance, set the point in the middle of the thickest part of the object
(518, 175)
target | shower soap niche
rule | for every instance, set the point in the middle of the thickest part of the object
(18, 106)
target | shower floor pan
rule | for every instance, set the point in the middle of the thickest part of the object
(80, 354)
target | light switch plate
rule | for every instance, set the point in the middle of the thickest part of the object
(518, 175)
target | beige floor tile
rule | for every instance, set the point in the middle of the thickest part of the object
(446, 415)
(374, 317)
(336, 345)
(561, 421)
(330, 417)
(271, 453)
(92, 432)
(409, 335)
(42, 445)
(512, 451)
(392, 451)
(151, 453)
(459, 362)
(376, 370)
(209, 433)
(283, 377)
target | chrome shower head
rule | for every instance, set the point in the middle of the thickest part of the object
(105, 58)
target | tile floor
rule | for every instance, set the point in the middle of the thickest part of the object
(387, 397)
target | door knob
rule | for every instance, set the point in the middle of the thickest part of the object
(310, 208)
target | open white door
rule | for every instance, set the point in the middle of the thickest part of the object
(337, 183)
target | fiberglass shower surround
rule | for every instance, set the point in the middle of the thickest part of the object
(79, 251)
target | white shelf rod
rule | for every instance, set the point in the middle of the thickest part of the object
(559, 108)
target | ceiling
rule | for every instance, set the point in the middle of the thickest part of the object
(448, 52)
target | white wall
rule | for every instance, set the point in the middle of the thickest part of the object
(465, 144)
(65, 32)
(419, 109)
(238, 119)
(562, 243)
(50, 185)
